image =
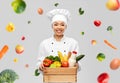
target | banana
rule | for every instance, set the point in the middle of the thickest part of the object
(60, 56)
(65, 57)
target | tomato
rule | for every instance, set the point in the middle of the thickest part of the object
(64, 64)
(97, 23)
(47, 62)
(103, 78)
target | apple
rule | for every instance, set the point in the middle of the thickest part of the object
(97, 23)
(19, 49)
(64, 64)
(113, 4)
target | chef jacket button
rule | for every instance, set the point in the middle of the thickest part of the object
(64, 50)
(52, 50)
(52, 43)
(64, 42)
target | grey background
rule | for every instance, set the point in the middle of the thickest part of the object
(40, 29)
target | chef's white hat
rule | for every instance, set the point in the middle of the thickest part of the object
(59, 15)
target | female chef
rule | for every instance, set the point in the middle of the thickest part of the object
(58, 42)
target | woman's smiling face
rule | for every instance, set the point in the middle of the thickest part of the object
(59, 27)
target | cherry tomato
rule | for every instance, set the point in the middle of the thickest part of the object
(97, 23)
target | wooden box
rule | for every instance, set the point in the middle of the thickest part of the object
(61, 74)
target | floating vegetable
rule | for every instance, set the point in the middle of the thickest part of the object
(100, 57)
(109, 44)
(103, 78)
(110, 28)
(78, 58)
(10, 27)
(29, 22)
(82, 33)
(97, 23)
(40, 11)
(19, 49)
(115, 64)
(93, 42)
(15, 60)
(8, 76)
(81, 12)
(56, 4)
(3, 51)
(36, 72)
(18, 6)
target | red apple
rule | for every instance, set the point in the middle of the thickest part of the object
(97, 23)
(19, 49)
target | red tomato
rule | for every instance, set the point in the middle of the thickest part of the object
(47, 62)
(97, 23)
(103, 78)
(65, 64)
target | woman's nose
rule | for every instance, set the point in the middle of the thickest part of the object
(59, 26)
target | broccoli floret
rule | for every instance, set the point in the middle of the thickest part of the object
(8, 76)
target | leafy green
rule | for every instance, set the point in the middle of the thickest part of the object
(8, 76)
(110, 28)
(53, 58)
(36, 72)
(56, 4)
(81, 12)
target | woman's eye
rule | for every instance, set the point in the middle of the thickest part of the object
(55, 24)
(62, 25)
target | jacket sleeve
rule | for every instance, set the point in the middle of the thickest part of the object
(75, 47)
(41, 54)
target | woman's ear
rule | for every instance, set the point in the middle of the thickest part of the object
(52, 26)
(65, 26)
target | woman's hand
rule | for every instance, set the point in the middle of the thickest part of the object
(77, 65)
(41, 67)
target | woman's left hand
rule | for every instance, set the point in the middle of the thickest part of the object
(77, 65)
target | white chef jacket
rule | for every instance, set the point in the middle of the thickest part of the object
(50, 47)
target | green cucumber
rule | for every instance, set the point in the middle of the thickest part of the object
(78, 58)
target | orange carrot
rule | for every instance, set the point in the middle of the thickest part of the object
(69, 55)
(3, 51)
(109, 44)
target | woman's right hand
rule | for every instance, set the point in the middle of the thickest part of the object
(41, 67)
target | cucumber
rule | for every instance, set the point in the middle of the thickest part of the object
(78, 58)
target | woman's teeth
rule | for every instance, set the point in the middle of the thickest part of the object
(59, 31)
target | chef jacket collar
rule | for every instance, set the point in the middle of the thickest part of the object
(63, 38)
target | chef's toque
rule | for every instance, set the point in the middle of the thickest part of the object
(59, 15)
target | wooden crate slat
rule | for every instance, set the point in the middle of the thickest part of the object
(71, 70)
(60, 78)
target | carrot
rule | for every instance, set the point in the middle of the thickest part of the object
(110, 45)
(69, 55)
(3, 51)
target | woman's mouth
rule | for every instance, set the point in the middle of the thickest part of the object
(58, 31)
